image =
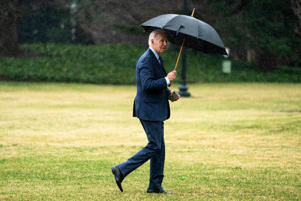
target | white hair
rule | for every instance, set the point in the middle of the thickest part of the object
(154, 34)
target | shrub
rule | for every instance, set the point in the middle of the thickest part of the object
(115, 64)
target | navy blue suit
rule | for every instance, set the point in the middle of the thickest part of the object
(151, 106)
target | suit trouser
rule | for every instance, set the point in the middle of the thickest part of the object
(154, 150)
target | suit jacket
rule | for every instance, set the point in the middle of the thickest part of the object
(151, 101)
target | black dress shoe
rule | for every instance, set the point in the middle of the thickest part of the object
(118, 176)
(161, 190)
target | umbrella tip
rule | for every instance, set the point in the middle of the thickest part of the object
(192, 14)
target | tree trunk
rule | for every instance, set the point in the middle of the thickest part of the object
(8, 28)
(251, 55)
(296, 7)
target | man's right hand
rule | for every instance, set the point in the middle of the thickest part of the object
(172, 75)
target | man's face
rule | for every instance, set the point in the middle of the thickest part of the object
(159, 44)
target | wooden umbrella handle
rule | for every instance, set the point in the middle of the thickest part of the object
(179, 55)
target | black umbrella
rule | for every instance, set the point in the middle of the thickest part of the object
(188, 31)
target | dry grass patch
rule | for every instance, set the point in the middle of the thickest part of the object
(226, 142)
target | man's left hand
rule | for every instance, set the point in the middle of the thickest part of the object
(174, 96)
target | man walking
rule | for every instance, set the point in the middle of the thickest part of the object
(151, 106)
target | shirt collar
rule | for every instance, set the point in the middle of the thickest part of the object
(155, 53)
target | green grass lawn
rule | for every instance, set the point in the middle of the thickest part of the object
(227, 142)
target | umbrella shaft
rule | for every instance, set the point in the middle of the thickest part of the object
(178, 59)
(192, 14)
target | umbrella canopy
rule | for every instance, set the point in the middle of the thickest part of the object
(198, 34)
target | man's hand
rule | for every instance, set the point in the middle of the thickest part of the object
(173, 96)
(172, 75)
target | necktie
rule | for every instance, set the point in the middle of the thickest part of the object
(160, 61)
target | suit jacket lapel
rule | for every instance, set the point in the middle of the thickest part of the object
(160, 66)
